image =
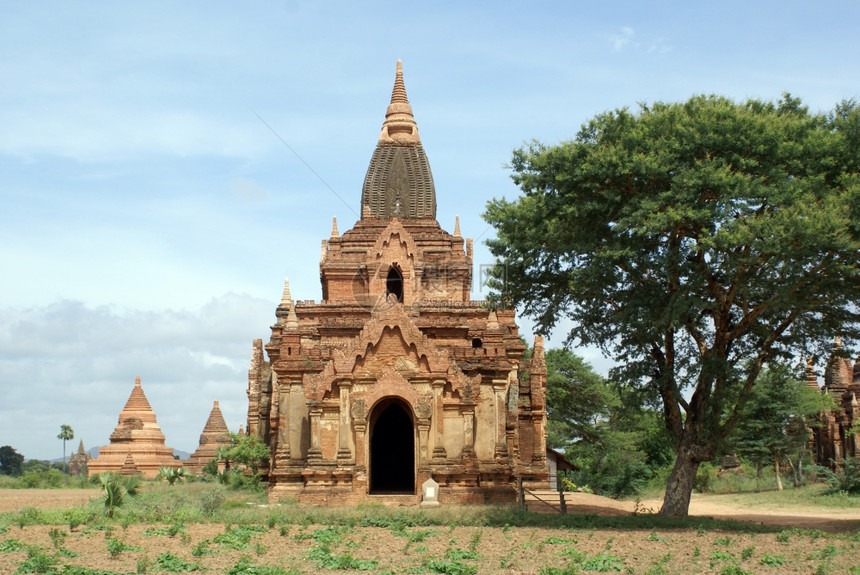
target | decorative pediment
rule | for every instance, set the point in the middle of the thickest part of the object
(461, 386)
(389, 342)
(395, 244)
(391, 327)
(391, 350)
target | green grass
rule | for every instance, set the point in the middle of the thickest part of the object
(748, 489)
(161, 509)
(11, 545)
(171, 563)
(115, 547)
(246, 567)
(772, 560)
(202, 502)
(53, 479)
(805, 496)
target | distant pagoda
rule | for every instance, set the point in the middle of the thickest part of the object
(79, 460)
(137, 443)
(215, 434)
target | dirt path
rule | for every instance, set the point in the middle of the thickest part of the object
(834, 519)
(827, 519)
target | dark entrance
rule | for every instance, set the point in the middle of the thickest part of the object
(394, 283)
(392, 450)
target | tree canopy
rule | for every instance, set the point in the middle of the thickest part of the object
(692, 242)
(603, 427)
(66, 434)
(10, 461)
(775, 423)
(248, 450)
(577, 398)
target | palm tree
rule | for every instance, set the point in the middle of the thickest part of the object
(116, 488)
(66, 433)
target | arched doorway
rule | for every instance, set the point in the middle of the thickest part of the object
(392, 449)
(394, 283)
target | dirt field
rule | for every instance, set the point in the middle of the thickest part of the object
(320, 550)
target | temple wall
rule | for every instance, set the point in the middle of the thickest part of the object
(453, 433)
(299, 425)
(527, 440)
(329, 433)
(485, 431)
(833, 440)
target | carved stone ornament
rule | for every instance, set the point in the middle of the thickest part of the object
(467, 390)
(424, 407)
(359, 410)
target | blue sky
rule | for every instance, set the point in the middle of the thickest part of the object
(150, 209)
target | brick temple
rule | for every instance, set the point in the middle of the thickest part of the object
(837, 438)
(396, 375)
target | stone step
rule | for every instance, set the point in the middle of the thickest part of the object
(392, 500)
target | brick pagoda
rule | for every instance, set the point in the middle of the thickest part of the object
(396, 376)
(215, 434)
(137, 443)
(79, 460)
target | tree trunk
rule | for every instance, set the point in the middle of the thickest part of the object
(798, 477)
(791, 466)
(798, 473)
(679, 487)
(776, 470)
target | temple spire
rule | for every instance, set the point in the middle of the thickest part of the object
(811, 378)
(286, 297)
(137, 401)
(398, 94)
(398, 181)
(399, 126)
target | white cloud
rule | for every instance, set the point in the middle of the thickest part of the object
(249, 190)
(97, 131)
(659, 46)
(69, 363)
(623, 39)
(627, 38)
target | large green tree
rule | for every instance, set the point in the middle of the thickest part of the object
(692, 242)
